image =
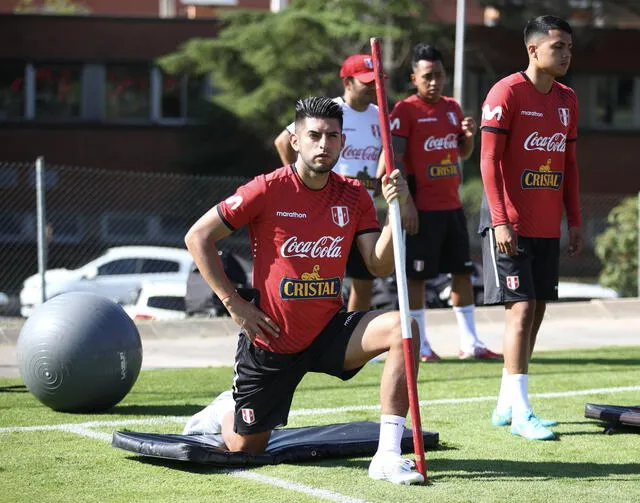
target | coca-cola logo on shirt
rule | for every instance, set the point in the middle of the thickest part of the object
(369, 153)
(555, 143)
(441, 143)
(324, 247)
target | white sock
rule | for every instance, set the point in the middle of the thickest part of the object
(519, 394)
(418, 315)
(224, 404)
(467, 327)
(503, 404)
(391, 429)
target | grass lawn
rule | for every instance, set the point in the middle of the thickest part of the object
(57, 457)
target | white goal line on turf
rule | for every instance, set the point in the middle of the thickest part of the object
(310, 412)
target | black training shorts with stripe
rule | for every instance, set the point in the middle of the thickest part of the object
(532, 274)
(440, 246)
(264, 382)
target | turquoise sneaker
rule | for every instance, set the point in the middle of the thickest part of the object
(503, 418)
(531, 428)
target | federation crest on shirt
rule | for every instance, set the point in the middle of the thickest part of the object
(453, 118)
(564, 116)
(340, 215)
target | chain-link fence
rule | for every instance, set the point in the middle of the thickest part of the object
(88, 211)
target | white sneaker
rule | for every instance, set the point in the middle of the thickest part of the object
(394, 468)
(206, 421)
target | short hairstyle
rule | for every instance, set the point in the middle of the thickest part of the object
(317, 107)
(426, 52)
(542, 24)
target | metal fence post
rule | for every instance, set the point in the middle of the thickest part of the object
(41, 226)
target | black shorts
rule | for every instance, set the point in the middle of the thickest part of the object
(532, 274)
(440, 246)
(264, 382)
(356, 268)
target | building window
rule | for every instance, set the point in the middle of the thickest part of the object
(58, 91)
(12, 91)
(614, 101)
(128, 93)
(176, 97)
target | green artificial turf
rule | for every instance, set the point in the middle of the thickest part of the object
(476, 462)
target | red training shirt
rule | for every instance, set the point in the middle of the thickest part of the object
(300, 241)
(531, 172)
(433, 132)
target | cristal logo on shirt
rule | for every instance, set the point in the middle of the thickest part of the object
(555, 143)
(324, 247)
(441, 143)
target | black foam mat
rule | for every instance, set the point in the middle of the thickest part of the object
(287, 445)
(614, 415)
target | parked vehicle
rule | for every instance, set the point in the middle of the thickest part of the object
(159, 300)
(200, 299)
(117, 274)
(570, 291)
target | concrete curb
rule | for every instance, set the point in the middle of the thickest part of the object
(600, 310)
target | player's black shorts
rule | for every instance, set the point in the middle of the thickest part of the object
(532, 274)
(356, 268)
(264, 382)
(440, 246)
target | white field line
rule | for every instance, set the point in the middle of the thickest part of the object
(295, 486)
(84, 429)
(310, 412)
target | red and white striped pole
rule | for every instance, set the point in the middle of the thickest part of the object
(401, 277)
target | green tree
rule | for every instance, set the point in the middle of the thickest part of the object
(617, 248)
(262, 62)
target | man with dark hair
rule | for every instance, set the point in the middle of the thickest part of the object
(429, 134)
(530, 173)
(358, 159)
(303, 219)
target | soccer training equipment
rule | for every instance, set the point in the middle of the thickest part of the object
(394, 468)
(531, 428)
(398, 246)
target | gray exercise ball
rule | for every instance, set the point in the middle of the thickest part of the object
(79, 352)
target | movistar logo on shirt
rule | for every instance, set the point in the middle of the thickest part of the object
(542, 178)
(310, 286)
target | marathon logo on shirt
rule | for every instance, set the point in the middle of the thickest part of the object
(542, 178)
(310, 286)
(441, 143)
(444, 169)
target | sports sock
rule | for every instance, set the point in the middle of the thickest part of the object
(519, 394)
(467, 327)
(224, 405)
(418, 315)
(391, 429)
(503, 404)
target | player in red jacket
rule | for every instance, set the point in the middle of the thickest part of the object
(530, 174)
(303, 219)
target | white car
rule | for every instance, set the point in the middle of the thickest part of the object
(568, 291)
(159, 300)
(117, 274)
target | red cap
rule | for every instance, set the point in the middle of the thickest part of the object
(359, 66)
